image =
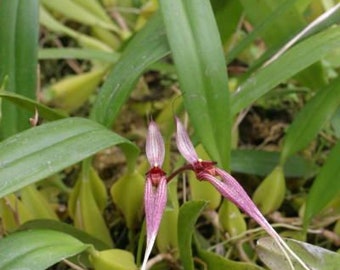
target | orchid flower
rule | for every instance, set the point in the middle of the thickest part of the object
(155, 195)
(229, 188)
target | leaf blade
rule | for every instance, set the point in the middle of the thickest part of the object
(308, 52)
(199, 60)
(37, 249)
(40, 152)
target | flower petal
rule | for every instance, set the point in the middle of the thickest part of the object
(155, 149)
(233, 191)
(184, 144)
(155, 201)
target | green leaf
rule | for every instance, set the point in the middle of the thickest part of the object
(311, 119)
(227, 9)
(196, 48)
(44, 150)
(18, 59)
(30, 105)
(267, 20)
(37, 249)
(44, 224)
(78, 53)
(315, 257)
(307, 52)
(258, 162)
(78, 13)
(188, 214)
(325, 187)
(148, 46)
(216, 262)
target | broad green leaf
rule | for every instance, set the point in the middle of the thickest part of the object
(44, 150)
(30, 105)
(311, 119)
(307, 52)
(217, 262)
(188, 214)
(78, 53)
(37, 249)
(44, 224)
(148, 46)
(326, 186)
(18, 59)
(197, 52)
(258, 162)
(315, 257)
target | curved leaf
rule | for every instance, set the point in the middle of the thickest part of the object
(307, 123)
(216, 262)
(44, 150)
(199, 60)
(325, 187)
(315, 257)
(48, 224)
(147, 47)
(31, 105)
(18, 58)
(188, 214)
(37, 249)
(307, 52)
(78, 53)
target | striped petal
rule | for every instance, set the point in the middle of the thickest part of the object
(155, 201)
(184, 144)
(155, 149)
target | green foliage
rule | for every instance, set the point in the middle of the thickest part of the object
(112, 64)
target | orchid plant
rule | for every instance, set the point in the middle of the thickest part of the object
(155, 196)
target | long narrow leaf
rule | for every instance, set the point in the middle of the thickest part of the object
(325, 187)
(297, 59)
(196, 48)
(188, 215)
(37, 249)
(147, 47)
(18, 58)
(78, 53)
(31, 105)
(44, 150)
(311, 119)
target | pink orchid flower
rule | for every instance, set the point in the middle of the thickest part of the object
(229, 188)
(155, 195)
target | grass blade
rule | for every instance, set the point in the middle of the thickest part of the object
(199, 60)
(18, 59)
(147, 47)
(325, 187)
(307, 52)
(307, 123)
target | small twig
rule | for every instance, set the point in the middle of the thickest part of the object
(72, 265)
(158, 258)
